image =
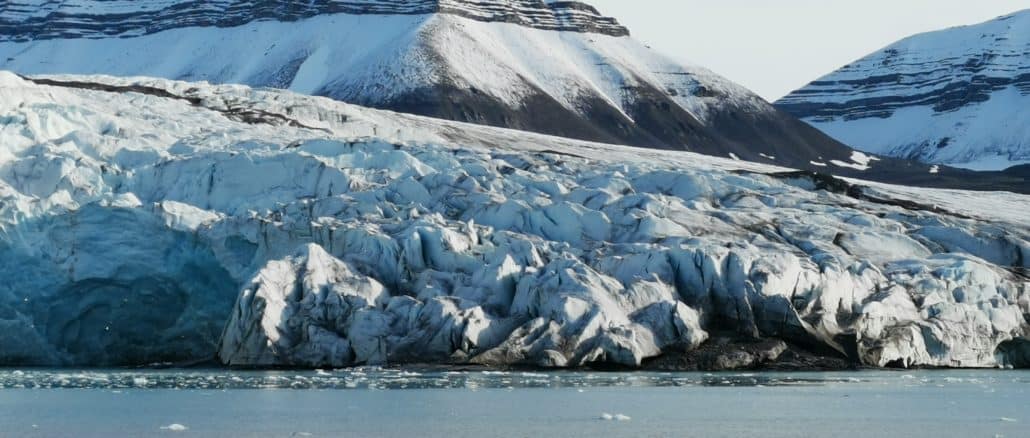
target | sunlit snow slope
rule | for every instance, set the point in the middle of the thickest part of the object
(959, 96)
(554, 67)
(148, 221)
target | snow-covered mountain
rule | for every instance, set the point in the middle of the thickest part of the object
(145, 220)
(959, 96)
(555, 67)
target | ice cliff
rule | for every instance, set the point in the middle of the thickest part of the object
(149, 221)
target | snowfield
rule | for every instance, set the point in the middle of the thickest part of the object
(368, 52)
(557, 68)
(148, 221)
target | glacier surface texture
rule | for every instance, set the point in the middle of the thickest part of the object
(150, 221)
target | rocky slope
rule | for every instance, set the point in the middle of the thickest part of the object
(959, 96)
(148, 221)
(553, 67)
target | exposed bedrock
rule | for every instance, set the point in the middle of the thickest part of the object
(728, 351)
(1015, 353)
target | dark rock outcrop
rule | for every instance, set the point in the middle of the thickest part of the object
(728, 353)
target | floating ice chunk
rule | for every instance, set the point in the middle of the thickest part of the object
(616, 417)
(175, 427)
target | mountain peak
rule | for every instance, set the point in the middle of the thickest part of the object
(958, 96)
(23, 20)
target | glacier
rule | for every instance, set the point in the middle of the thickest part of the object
(149, 221)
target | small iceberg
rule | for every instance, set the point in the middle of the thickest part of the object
(175, 427)
(617, 417)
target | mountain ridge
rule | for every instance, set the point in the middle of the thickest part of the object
(25, 20)
(590, 86)
(489, 69)
(957, 96)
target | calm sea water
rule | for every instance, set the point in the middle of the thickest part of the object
(426, 403)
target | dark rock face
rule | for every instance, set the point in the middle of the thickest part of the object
(648, 117)
(752, 137)
(729, 353)
(540, 113)
(28, 20)
(1016, 353)
(945, 71)
(974, 87)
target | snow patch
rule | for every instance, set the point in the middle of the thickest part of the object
(848, 165)
(11, 80)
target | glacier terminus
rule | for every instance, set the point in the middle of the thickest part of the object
(149, 221)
